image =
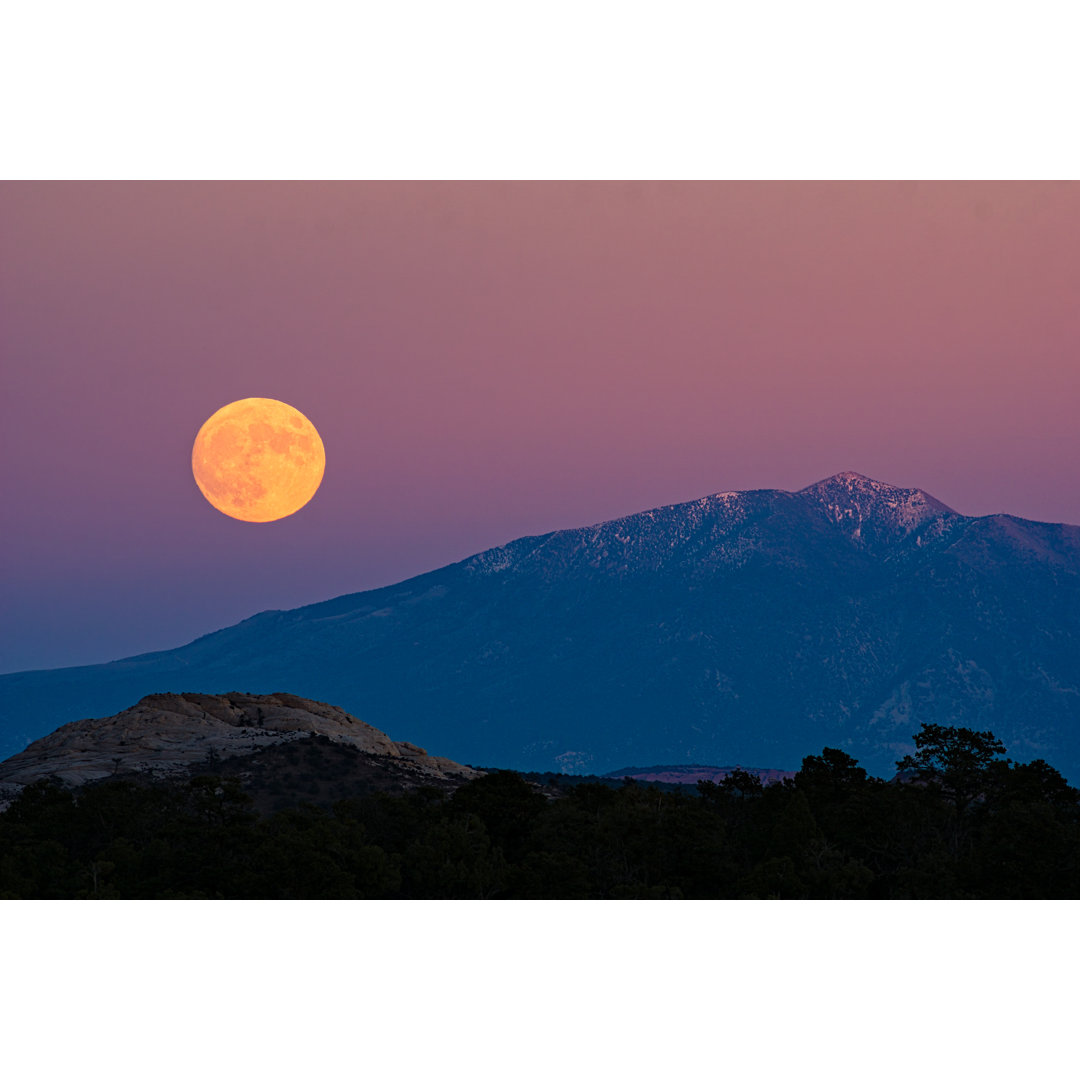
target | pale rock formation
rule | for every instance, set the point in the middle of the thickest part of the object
(166, 733)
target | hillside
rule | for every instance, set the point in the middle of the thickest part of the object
(743, 626)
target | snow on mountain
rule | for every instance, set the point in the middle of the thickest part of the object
(853, 501)
(720, 528)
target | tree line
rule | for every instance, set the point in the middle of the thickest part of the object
(962, 822)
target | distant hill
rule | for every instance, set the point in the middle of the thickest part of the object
(693, 774)
(743, 626)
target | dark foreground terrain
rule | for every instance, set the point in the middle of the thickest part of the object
(963, 824)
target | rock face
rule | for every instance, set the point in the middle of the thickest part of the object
(169, 733)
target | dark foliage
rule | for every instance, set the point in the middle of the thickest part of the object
(969, 825)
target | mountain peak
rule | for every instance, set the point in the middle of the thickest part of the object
(849, 477)
(852, 501)
(853, 481)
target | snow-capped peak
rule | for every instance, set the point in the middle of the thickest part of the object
(852, 500)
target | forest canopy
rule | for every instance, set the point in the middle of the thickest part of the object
(961, 821)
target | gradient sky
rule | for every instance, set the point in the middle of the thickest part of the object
(489, 360)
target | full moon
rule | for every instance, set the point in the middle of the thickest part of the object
(258, 459)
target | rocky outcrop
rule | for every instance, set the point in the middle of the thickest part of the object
(170, 733)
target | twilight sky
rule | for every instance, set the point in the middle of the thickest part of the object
(489, 360)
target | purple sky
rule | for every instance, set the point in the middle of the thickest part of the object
(488, 360)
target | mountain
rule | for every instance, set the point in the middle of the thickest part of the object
(170, 734)
(744, 626)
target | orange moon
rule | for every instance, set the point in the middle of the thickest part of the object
(258, 459)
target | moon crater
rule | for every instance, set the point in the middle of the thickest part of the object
(258, 459)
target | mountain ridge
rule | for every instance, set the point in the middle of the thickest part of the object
(754, 625)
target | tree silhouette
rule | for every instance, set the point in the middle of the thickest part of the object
(954, 759)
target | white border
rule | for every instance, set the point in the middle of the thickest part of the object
(221, 89)
(534, 990)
